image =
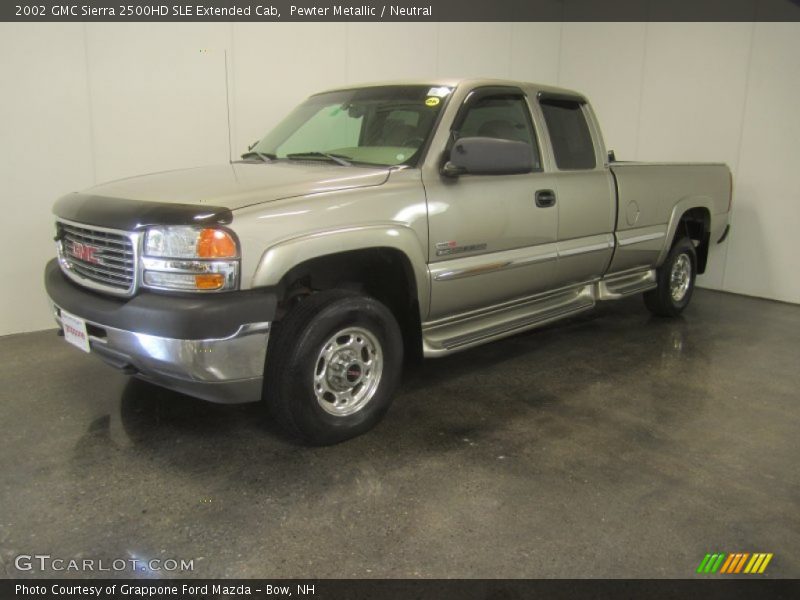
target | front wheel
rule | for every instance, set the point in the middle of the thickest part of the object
(675, 279)
(333, 365)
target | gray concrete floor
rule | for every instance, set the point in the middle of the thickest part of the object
(611, 445)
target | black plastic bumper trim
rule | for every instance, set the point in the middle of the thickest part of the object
(179, 317)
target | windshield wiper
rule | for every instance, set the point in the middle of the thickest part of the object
(266, 157)
(337, 158)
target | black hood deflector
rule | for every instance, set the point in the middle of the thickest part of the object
(132, 215)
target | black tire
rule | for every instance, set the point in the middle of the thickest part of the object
(294, 358)
(661, 301)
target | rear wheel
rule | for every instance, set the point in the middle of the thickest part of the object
(333, 365)
(675, 279)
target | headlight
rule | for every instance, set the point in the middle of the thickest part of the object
(188, 258)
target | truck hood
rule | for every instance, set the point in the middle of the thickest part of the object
(240, 184)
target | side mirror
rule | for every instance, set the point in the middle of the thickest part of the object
(488, 156)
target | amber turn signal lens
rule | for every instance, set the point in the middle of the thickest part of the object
(212, 281)
(215, 243)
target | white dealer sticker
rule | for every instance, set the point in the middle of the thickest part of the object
(75, 331)
(440, 92)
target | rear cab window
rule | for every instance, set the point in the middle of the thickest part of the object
(569, 133)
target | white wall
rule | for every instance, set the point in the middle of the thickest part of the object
(763, 255)
(708, 92)
(45, 150)
(88, 103)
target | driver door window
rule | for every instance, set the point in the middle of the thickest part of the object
(501, 117)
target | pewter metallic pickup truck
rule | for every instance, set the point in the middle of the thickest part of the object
(373, 223)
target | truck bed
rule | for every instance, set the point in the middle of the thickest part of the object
(650, 197)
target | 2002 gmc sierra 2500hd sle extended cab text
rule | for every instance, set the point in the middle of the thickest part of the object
(372, 222)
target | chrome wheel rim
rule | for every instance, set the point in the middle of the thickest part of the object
(680, 277)
(347, 371)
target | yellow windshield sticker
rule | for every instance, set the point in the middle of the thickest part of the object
(432, 101)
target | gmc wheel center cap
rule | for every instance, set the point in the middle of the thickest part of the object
(353, 373)
(345, 371)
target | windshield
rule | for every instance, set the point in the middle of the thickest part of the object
(385, 126)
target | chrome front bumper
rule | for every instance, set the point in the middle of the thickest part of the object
(227, 370)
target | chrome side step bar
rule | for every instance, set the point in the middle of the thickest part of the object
(473, 328)
(626, 283)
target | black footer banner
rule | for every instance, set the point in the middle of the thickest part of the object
(391, 589)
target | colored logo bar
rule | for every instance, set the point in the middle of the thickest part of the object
(735, 563)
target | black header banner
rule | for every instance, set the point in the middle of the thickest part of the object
(399, 589)
(400, 10)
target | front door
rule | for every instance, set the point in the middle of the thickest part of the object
(492, 237)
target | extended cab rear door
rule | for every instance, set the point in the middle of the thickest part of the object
(585, 194)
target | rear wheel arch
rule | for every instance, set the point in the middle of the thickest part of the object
(675, 280)
(695, 224)
(691, 218)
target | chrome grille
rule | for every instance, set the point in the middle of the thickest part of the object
(99, 258)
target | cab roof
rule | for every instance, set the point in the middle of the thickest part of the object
(468, 82)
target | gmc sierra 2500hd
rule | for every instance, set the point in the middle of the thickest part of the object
(373, 221)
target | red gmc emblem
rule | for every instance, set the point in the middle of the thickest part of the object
(85, 252)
